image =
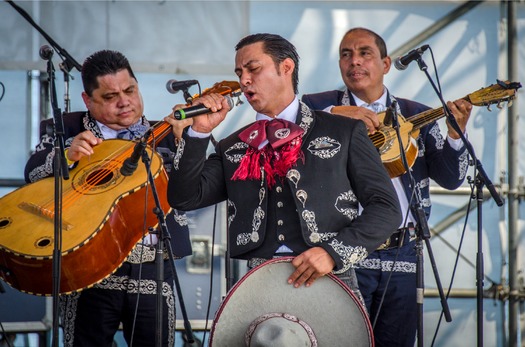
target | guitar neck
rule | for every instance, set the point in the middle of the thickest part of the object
(160, 131)
(429, 116)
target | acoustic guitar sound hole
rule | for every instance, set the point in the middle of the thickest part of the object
(43, 242)
(4, 222)
(99, 177)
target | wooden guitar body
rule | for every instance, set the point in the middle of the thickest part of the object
(104, 215)
(386, 141)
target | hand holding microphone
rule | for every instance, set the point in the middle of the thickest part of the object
(215, 105)
(197, 110)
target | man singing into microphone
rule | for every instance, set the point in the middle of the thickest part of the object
(363, 62)
(293, 179)
(92, 316)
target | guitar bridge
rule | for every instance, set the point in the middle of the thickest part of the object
(42, 212)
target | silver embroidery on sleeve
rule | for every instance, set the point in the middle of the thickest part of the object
(436, 134)
(420, 147)
(178, 154)
(180, 218)
(235, 158)
(324, 147)
(45, 169)
(347, 204)
(349, 255)
(463, 165)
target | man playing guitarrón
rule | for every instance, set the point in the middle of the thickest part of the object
(115, 110)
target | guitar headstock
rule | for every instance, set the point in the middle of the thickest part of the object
(232, 88)
(503, 91)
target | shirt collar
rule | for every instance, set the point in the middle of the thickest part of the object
(289, 113)
(106, 131)
(381, 100)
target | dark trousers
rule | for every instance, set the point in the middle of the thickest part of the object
(396, 323)
(92, 316)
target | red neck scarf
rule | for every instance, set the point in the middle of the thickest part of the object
(274, 159)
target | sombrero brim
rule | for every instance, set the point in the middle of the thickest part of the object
(328, 306)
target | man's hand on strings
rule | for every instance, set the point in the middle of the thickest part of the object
(461, 110)
(82, 145)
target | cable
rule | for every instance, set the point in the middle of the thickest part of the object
(3, 91)
(456, 262)
(211, 273)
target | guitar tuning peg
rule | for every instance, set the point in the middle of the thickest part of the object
(499, 105)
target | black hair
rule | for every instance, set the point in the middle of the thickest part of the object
(276, 47)
(378, 39)
(102, 63)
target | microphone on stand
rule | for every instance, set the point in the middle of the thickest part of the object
(391, 115)
(130, 164)
(46, 52)
(174, 86)
(401, 63)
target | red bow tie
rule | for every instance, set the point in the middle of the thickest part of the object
(277, 131)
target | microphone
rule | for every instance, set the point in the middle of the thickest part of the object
(130, 164)
(197, 110)
(401, 63)
(173, 86)
(46, 52)
(391, 115)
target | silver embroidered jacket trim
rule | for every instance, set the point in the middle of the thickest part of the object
(179, 153)
(69, 303)
(235, 158)
(463, 164)
(315, 235)
(143, 254)
(346, 203)
(386, 266)
(324, 147)
(349, 255)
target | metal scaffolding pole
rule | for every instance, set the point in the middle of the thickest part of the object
(513, 198)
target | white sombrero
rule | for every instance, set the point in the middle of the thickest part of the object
(262, 309)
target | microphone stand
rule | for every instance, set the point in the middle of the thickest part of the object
(163, 237)
(481, 180)
(423, 233)
(60, 170)
(68, 61)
